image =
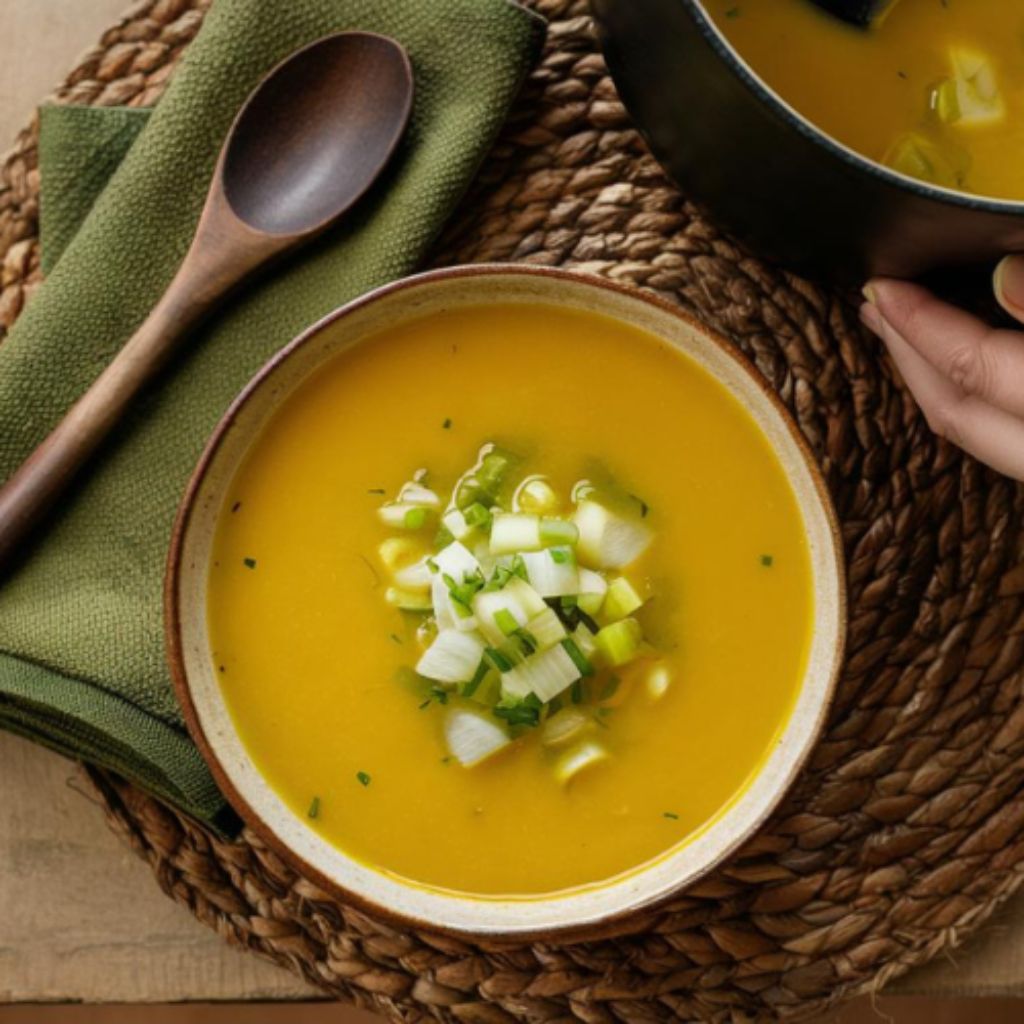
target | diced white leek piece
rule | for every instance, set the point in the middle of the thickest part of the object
(401, 516)
(549, 577)
(487, 561)
(448, 612)
(584, 641)
(455, 523)
(575, 760)
(490, 603)
(608, 540)
(593, 587)
(414, 577)
(456, 561)
(546, 628)
(621, 600)
(472, 736)
(581, 490)
(452, 658)
(444, 613)
(529, 600)
(515, 685)
(565, 726)
(512, 532)
(398, 552)
(546, 674)
(416, 494)
(408, 600)
(536, 496)
(658, 681)
(978, 96)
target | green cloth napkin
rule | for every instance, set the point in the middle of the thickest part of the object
(81, 634)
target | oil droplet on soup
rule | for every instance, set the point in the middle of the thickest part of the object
(316, 662)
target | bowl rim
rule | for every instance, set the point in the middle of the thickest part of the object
(618, 921)
(804, 126)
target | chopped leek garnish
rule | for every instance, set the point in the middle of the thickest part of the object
(573, 761)
(509, 591)
(620, 642)
(364, 779)
(565, 726)
(621, 599)
(452, 658)
(608, 540)
(553, 572)
(593, 588)
(658, 681)
(535, 496)
(511, 532)
(472, 737)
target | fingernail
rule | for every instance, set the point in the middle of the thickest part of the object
(1008, 282)
(870, 294)
(872, 319)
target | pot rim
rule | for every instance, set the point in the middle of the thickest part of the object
(846, 155)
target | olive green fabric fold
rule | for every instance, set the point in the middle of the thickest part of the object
(81, 641)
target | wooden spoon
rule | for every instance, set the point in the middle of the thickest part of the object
(311, 139)
(857, 12)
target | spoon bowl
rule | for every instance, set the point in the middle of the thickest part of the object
(307, 144)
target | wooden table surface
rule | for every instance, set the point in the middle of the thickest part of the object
(80, 917)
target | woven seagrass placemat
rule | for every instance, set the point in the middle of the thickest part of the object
(907, 829)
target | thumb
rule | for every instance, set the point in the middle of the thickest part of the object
(1008, 283)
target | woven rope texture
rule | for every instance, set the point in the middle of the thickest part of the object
(907, 828)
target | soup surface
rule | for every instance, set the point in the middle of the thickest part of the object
(936, 89)
(315, 664)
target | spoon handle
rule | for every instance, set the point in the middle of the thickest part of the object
(41, 480)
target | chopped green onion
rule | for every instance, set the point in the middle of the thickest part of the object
(578, 657)
(498, 659)
(608, 540)
(314, 808)
(452, 658)
(545, 675)
(477, 515)
(767, 561)
(471, 737)
(552, 572)
(363, 778)
(415, 518)
(610, 688)
(249, 563)
(585, 755)
(456, 524)
(621, 599)
(658, 681)
(620, 642)
(505, 621)
(564, 726)
(592, 591)
(519, 711)
(514, 532)
(558, 532)
(671, 815)
(535, 495)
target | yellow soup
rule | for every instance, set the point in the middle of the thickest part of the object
(315, 665)
(935, 90)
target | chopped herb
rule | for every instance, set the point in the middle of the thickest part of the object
(415, 518)
(497, 659)
(439, 694)
(733, 12)
(672, 815)
(609, 689)
(426, 704)
(314, 808)
(396, 638)
(369, 565)
(559, 556)
(376, 490)
(568, 602)
(519, 712)
(249, 563)
(446, 760)
(644, 507)
(363, 778)
(447, 425)
(527, 641)
(767, 561)
(237, 505)
(579, 659)
(505, 621)
(577, 692)
(221, 668)
(478, 677)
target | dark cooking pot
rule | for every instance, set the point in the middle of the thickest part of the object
(774, 179)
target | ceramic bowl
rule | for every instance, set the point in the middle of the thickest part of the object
(588, 911)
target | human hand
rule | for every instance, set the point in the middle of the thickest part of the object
(967, 377)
